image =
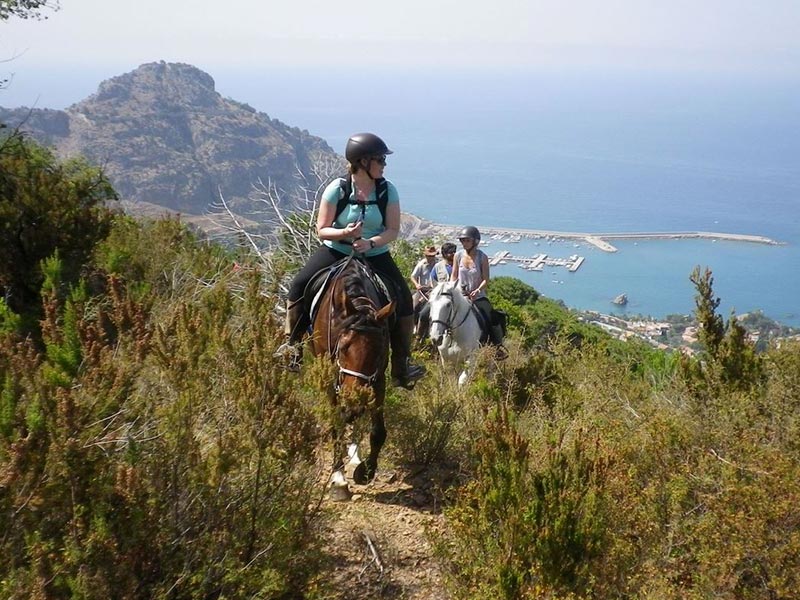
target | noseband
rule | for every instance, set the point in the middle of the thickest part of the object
(368, 379)
(448, 324)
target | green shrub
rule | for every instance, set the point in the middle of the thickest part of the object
(151, 450)
(46, 205)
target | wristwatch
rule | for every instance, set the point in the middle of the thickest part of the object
(371, 243)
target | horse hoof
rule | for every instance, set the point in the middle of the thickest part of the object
(340, 492)
(362, 474)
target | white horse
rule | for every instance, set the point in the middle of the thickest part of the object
(454, 327)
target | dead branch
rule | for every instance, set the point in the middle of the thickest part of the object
(372, 548)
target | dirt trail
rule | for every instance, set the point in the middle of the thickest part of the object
(378, 541)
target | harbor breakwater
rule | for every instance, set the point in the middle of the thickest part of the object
(600, 240)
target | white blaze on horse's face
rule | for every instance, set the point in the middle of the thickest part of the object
(454, 327)
(441, 308)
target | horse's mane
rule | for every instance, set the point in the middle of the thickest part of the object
(357, 295)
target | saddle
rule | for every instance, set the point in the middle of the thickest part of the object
(383, 287)
(494, 329)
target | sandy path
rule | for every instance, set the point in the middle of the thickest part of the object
(395, 513)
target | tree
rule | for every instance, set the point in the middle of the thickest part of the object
(290, 222)
(513, 290)
(46, 206)
(729, 352)
(712, 326)
(25, 9)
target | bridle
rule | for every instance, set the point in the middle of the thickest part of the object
(368, 379)
(448, 325)
(353, 323)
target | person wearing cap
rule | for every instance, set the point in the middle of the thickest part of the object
(439, 274)
(471, 271)
(421, 277)
(360, 227)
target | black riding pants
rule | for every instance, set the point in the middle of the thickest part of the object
(485, 306)
(382, 263)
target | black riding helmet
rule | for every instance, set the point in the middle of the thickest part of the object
(364, 145)
(470, 231)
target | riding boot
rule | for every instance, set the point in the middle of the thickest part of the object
(496, 334)
(292, 349)
(404, 373)
(496, 337)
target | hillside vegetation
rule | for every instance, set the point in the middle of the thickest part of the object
(151, 447)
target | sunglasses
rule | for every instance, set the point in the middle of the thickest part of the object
(381, 160)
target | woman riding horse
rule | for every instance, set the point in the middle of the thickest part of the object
(471, 271)
(360, 227)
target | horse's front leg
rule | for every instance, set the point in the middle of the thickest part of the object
(365, 471)
(465, 373)
(339, 488)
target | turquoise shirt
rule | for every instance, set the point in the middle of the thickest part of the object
(373, 220)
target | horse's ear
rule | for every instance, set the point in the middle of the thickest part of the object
(385, 312)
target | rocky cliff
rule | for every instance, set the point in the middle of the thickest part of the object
(166, 137)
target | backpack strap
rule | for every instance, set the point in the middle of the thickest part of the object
(346, 190)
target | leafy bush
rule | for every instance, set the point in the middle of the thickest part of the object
(653, 491)
(150, 450)
(46, 205)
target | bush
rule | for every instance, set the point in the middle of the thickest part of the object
(151, 451)
(613, 485)
(46, 206)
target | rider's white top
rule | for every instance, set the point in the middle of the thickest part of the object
(469, 278)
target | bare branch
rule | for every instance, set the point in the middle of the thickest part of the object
(289, 218)
(372, 547)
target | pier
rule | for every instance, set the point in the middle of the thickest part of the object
(536, 262)
(600, 240)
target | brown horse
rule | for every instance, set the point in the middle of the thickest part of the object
(352, 329)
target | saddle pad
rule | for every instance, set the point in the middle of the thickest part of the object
(322, 279)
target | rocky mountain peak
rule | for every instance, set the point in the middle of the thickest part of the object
(156, 86)
(166, 137)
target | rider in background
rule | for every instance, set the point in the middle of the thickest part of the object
(421, 277)
(359, 228)
(439, 274)
(471, 271)
(443, 269)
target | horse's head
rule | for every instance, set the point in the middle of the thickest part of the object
(358, 341)
(362, 350)
(443, 300)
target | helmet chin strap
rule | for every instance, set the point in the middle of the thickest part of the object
(367, 167)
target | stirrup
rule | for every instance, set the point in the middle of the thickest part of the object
(292, 355)
(408, 378)
(500, 352)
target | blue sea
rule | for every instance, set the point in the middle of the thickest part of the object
(587, 151)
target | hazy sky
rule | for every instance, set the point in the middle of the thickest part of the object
(728, 35)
